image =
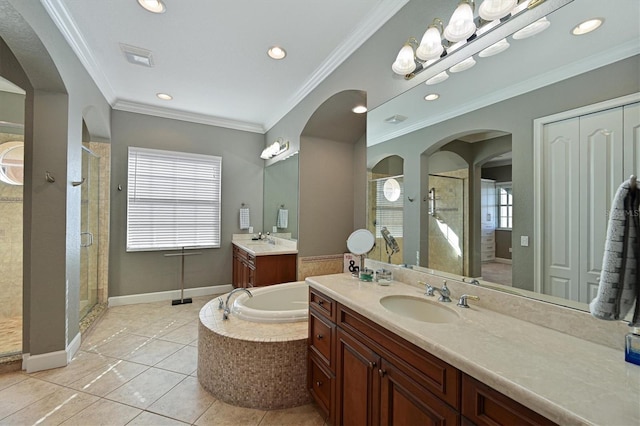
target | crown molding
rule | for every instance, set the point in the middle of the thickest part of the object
(374, 20)
(67, 26)
(139, 108)
(614, 54)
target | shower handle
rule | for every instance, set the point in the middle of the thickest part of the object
(89, 242)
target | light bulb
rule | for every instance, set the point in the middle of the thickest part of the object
(405, 62)
(430, 45)
(491, 10)
(461, 25)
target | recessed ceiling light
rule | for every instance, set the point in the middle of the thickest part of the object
(431, 97)
(587, 26)
(164, 96)
(360, 109)
(276, 52)
(154, 6)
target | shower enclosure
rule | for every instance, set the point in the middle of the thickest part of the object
(89, 234)
(446, 224)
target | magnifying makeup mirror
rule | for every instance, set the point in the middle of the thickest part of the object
(361, 242)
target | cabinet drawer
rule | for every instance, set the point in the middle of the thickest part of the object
(483, 405)
(321, 336)
(321, 382)
(323, 304)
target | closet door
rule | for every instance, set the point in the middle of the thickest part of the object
(631, 123)
(561, 201)
(601, 172)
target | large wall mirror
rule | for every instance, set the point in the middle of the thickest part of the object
(280, 210)
(468, 190)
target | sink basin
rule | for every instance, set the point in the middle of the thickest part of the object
(419, 309)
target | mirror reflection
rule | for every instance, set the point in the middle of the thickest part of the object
(280, 209)
(469, 157)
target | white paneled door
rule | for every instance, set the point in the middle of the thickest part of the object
(584, 160)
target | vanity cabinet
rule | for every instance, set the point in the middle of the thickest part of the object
(257, 271)
(362, 374)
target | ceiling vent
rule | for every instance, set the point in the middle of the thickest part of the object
(137, 55)
(395, 119)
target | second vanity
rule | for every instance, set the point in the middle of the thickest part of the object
(437, 363)
(258, 263)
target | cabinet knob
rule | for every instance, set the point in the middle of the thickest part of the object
(318, 383)
(382, 372)
(319, 336)
(320, 302)
(372, 364)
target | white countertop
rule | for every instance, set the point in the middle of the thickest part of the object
(564, 378)
(264, 248)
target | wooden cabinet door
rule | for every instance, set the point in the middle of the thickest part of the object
(358, 384)
(404, 402)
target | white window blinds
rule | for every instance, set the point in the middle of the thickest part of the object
(389, 213)
(173, 200)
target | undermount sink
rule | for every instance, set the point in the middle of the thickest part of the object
(419, 309)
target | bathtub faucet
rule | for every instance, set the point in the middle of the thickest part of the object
(227, 311)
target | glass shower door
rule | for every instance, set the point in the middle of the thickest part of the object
(89, 231)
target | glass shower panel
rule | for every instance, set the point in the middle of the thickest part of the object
(446, 224)
(90, 209)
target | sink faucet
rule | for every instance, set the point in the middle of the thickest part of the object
(445, 293)
(463, 300)
(473, 281)
(227, 311)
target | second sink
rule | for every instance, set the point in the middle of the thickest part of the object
(419, 309)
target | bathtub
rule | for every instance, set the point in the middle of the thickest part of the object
(278, 303)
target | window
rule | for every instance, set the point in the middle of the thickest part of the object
(389, 205)
(505, 205)
(173, 200)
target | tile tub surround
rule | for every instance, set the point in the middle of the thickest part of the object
(252, 365)
(564, 378)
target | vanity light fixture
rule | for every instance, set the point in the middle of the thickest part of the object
(276, 52)
(464, 28)
(276, 148)
(532, 29)
(461, 25)
(153, 6)
(359, 109)
(438, 78)
(164, 96)
(587, 26)
(431, 97)
(464, 65)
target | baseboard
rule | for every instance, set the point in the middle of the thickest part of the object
(503, 260)
(168, 295)
(33, 363)
(73, 347)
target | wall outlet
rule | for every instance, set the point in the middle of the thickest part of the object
(524, 240)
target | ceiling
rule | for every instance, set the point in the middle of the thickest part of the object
(528, 64)
(211, 56)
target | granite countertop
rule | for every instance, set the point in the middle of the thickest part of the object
(564, 378)
(263, 248)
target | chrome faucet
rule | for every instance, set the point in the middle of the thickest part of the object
(463, 300)
(473, 281)
(445, 293)
(227, 311)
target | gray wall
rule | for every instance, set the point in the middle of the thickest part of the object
(327, 180)
(513, 116)
(242, 169)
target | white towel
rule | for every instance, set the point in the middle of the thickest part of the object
(283, 218)
(619, 287)
(245, 222)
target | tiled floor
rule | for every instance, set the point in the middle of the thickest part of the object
(137, 366)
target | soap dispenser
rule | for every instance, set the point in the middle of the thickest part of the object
(632, 346)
